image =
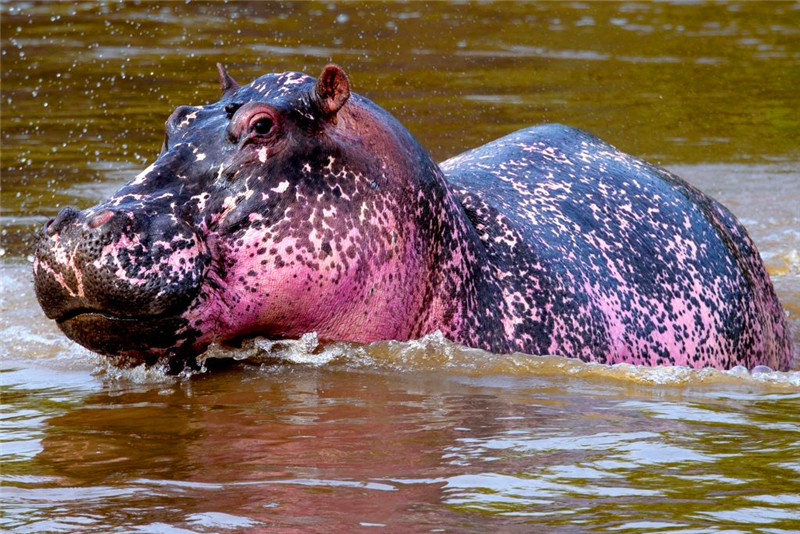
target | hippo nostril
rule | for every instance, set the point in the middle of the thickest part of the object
(65, 216)
(101, 218)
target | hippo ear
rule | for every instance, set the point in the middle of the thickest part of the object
(332, 91)
(226, 83)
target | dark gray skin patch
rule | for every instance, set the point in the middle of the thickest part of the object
(293, 205)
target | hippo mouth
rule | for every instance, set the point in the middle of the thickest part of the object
(83, 312)
(142, 338)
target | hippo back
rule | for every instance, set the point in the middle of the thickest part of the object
(605, 257)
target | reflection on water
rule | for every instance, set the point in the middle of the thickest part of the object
(410, 436)
(414, 436)
(302, 446)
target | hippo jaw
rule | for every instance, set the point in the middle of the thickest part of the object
(127, 338)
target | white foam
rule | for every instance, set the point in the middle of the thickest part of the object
(141, 374)
(306, 350)
(435, 353)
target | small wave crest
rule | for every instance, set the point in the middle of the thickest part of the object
(434, 353)
(143, 374)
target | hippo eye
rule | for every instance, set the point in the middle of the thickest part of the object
(254, 122)
(262, 126)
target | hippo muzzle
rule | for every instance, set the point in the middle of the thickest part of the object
(117, 279)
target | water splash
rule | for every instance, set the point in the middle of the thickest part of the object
(435, 353)
(141, 374)
(306, 350)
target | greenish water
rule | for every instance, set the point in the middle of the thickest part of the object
(400, 437)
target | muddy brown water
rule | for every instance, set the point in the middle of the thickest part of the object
(400, 437)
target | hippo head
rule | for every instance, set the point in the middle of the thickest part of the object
(288, 206)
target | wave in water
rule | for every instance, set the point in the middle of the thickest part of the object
(434, 353)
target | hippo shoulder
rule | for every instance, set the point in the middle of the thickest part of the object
(546, 181)
(557, 179)
(555, 135)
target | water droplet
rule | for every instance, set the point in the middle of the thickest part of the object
(739, 370)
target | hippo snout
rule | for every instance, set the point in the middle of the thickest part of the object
(104, 272)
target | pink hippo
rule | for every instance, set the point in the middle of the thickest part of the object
(293, 205)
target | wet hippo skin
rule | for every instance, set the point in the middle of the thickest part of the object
(292, 205)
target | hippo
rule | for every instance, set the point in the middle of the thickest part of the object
(292, 205)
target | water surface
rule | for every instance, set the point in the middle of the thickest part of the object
(421, 436)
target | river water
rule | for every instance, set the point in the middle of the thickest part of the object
(422, 436)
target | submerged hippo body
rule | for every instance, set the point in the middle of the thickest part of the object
(292, 206)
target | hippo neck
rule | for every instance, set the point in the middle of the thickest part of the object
(450, 286)
(462, 287)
